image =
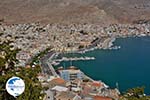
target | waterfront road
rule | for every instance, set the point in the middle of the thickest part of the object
(47, 68)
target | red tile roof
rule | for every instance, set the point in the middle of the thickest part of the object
(101, 98)
(58, 81)
(97, 84)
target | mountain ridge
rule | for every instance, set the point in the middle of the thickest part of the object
(77, 11)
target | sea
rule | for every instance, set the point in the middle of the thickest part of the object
(124, 68)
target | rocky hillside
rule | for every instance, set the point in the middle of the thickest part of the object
(74, 11)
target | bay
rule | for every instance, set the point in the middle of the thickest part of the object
(128, 66)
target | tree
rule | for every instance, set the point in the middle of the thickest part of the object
(8, 60)
(135, 94)
(33, 87)
(7, 56)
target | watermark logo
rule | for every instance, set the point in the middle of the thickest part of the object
(15, 86)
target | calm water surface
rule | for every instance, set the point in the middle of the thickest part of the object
(128, 66)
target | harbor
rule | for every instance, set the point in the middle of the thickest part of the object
(76, 78)
(75, 50)
(122, 66)
(90, 71)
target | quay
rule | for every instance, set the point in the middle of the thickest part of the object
(75, 59)
(57, 61)
(47, 68)
(75, 77)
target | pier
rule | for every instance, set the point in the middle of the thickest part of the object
(57, 61)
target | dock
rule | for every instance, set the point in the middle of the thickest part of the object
(74, 59)
(57, 61)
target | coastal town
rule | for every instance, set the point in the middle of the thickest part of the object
(74, 49)
(72, 84)
(67, 83)
(34, 38)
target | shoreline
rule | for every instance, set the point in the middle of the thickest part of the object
(137, 38)
(33, 38)
(68, 37)
(110, 45)
(110, 49)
